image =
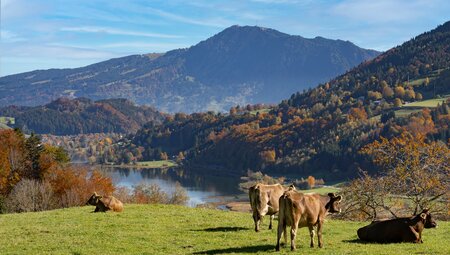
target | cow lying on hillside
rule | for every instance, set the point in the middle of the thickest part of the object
(304, 210)
(398, 230)
(264, 201)
(105, 203)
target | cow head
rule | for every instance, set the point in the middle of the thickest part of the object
(428, 221)
(333, 206)
(94, 199)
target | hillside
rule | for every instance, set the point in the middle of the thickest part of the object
(320, 131)
(240, 65)
(77, 116)
(164, 229)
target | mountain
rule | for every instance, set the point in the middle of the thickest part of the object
(321, 131)
(77, 116)
(240, 65)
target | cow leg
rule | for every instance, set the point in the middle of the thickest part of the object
(281, 230)
(271, 219)
(256, 219)
(293, 235)
(319, 233)
(97, 209)
(311, 234)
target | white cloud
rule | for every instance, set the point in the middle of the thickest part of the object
(113, 31)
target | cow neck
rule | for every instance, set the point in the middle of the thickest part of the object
(417, 223)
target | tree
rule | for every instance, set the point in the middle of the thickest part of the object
(397, 102)
(399, 92)
(268, 155)
(357, 114)
(388, 92)
(421, 170)
(311, 181)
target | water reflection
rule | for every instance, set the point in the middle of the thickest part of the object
(201, 188)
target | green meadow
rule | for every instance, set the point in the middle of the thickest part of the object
(169, 229)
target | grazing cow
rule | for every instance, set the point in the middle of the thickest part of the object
(304, 210)
(264, 201)
(105, 203)
(398, 230)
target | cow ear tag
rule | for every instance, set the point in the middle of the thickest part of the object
(423, 216)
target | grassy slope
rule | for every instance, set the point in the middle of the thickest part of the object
(163, 229)
(427, 103)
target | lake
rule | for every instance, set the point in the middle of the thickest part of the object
(201, 188)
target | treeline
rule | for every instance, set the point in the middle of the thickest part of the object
(78, 116)
(35, 176)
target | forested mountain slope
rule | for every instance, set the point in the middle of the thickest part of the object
(320, 131)
(76, 116)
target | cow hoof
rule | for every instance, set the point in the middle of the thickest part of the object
(277, 248)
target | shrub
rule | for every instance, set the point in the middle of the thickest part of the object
(30, 196)
(179, 196)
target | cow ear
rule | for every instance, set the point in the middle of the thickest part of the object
(425, 210)
(423, 216)
(99, 197)
(331, 195)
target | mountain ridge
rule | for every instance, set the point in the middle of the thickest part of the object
(239, 65)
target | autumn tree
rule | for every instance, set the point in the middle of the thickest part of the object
(421, 169)
(268, 155)
(399, 92)
(311, 181)
(388, 92)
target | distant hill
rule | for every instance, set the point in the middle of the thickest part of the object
(319, 132)
(76, 116)
(240, 65)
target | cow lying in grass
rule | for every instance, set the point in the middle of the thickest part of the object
(398, 230)
(305, 210)
(105, 203)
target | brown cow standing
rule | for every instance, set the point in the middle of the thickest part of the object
(264, 201)
(398, 230)
(105, 203)
(304, 210)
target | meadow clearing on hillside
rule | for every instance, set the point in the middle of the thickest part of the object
(168, 229)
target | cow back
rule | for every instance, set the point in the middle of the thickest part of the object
(264, 198)
(112, 203)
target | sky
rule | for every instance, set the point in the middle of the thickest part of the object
(43, 34)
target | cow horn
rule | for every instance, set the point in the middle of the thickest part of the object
(95, 193)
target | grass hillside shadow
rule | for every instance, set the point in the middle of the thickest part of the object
(224, 229)
(245, 249)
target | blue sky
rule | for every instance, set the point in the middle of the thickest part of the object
(42, 34)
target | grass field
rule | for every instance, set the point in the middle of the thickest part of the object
(321, 190)
(265, 110)
(427, 103)
(156, 164)
(166, 229)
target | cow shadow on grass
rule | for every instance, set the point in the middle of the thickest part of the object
(354, 241)
(223, 229)
(245, 249)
